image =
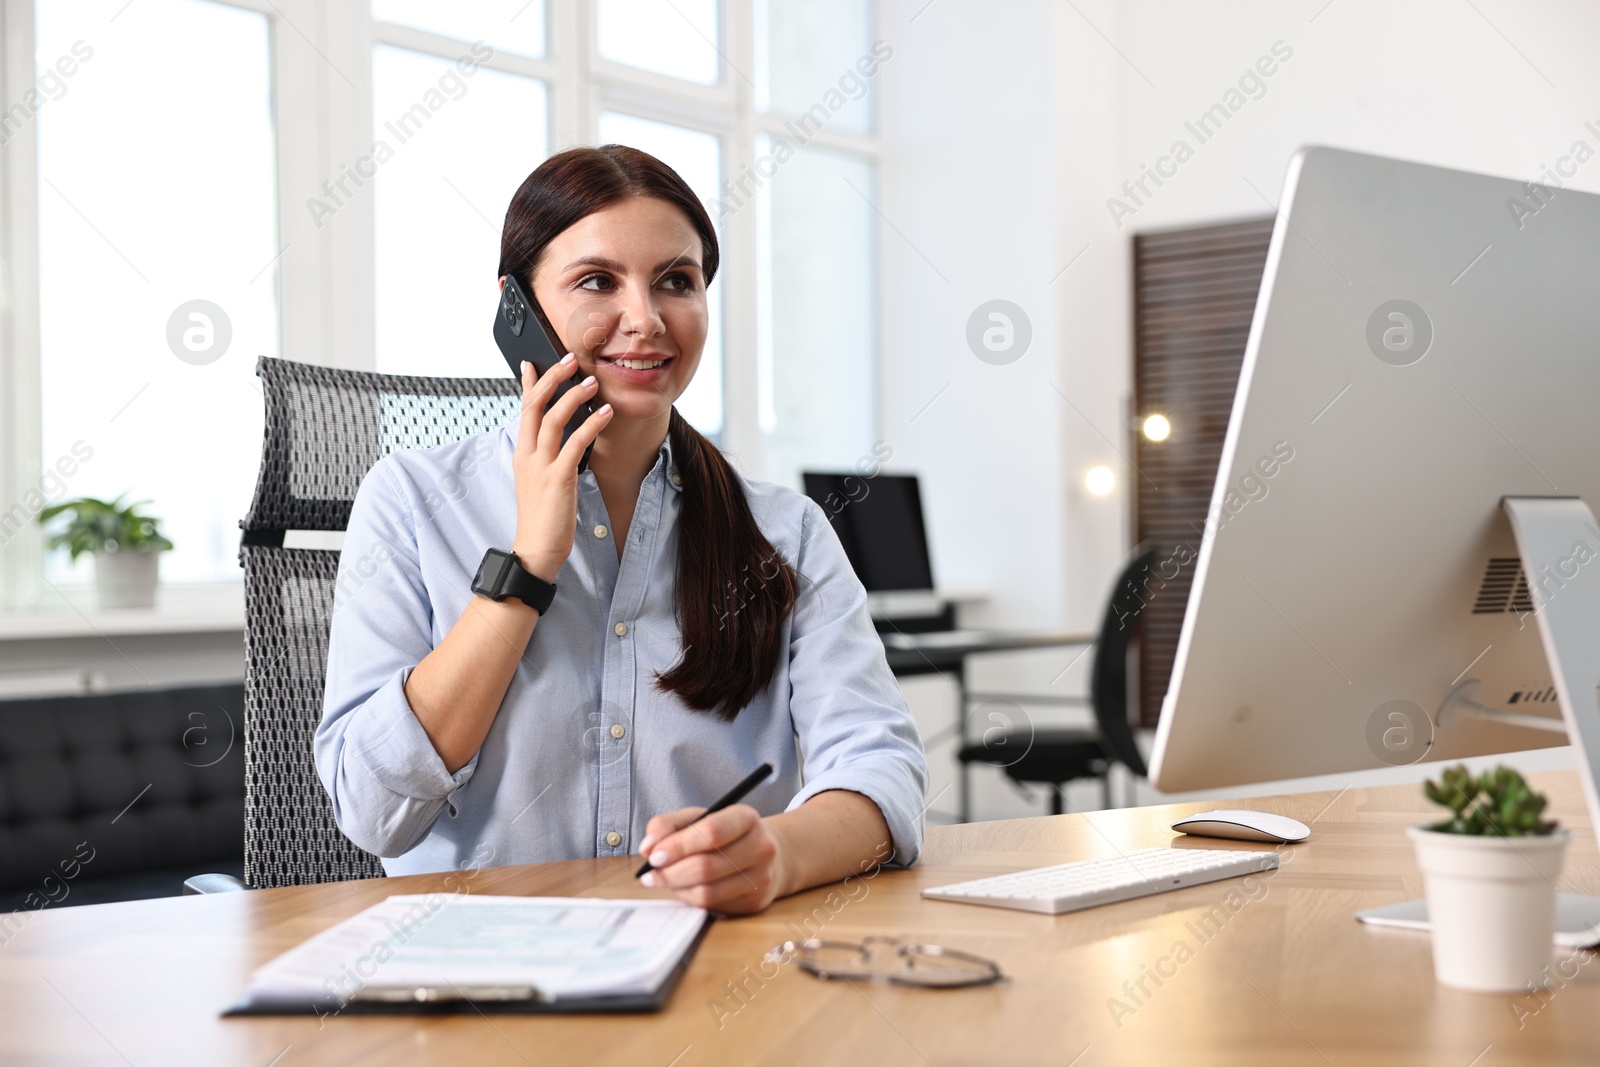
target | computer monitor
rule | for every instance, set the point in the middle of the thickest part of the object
(879, 520)
(1398, 564)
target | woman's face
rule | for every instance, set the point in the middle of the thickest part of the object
(624, 290)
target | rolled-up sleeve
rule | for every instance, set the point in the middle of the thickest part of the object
(854, 727)
(387, 783)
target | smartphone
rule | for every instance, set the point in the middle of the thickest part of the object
(523, 333)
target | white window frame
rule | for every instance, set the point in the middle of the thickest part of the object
(322, 100)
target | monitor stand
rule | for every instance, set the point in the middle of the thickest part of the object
(1548, 529)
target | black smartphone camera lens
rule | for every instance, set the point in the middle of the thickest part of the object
(514, 311)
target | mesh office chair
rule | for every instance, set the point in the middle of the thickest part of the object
(1059, 756)
(325, 428)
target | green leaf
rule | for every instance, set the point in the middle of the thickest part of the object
(1505, 804)
(95, 525)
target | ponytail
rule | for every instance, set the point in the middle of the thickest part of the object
(734, 590)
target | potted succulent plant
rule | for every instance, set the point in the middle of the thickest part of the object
(127, 547)
(1491, 870)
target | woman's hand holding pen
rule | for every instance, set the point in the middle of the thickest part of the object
(546, 471)
(729, 862)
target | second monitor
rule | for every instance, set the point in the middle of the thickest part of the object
(879, 520)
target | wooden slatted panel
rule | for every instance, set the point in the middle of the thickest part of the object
(1194, 294)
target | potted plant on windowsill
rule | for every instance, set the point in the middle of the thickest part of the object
(1491, 871)
(127, 547)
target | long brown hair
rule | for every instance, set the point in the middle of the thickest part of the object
(734, 590)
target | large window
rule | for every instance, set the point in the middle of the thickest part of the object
(817, 342)
(157, 230)
(326, 180)
(677, 38)
(440, 200)
(504, 25)
(817, 371)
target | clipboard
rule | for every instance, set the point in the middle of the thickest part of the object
(529, 1004)
(508, 949)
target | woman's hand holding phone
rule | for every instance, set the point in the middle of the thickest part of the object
(546, 471)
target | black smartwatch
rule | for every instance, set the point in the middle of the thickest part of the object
(501, 575)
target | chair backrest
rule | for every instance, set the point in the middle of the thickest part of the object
(325, 428)
(1108, 685)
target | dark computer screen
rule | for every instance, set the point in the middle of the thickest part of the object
(879, 519)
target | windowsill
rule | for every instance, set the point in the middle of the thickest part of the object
(181, 608)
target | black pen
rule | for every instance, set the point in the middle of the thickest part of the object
(732, 796)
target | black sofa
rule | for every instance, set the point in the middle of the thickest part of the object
(119, 796)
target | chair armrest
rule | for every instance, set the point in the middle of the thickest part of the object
(212, 883)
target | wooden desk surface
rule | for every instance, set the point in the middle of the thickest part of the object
(1280, 974)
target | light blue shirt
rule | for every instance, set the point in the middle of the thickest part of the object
(584, 750)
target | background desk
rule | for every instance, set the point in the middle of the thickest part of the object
(1288, 977)
(945, 652)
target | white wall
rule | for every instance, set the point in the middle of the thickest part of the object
(973, 200)
(1492, 86)
(970, 198)
(1011, 124)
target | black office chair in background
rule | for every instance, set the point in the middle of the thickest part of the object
(325, 428)
(1057, 756)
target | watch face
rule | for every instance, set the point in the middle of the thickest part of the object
(492, 572)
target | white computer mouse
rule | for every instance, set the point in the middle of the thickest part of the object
(1241, 825)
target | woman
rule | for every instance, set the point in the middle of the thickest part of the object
(703, 624)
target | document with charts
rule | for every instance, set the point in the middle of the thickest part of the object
(526, 953)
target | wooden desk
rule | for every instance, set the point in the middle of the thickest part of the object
(1287, 977)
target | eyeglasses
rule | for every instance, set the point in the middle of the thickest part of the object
(888, 959)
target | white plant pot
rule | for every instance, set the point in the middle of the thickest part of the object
(126, 578)
(1491, 906)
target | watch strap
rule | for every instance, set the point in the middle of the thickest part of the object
(528, 588)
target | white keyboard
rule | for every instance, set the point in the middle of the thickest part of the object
(1090, 883)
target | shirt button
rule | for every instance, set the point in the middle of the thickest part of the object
(613, 839)
(599, 531)
(618, 730)
(620, 629)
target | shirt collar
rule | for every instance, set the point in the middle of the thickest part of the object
(668, 464)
